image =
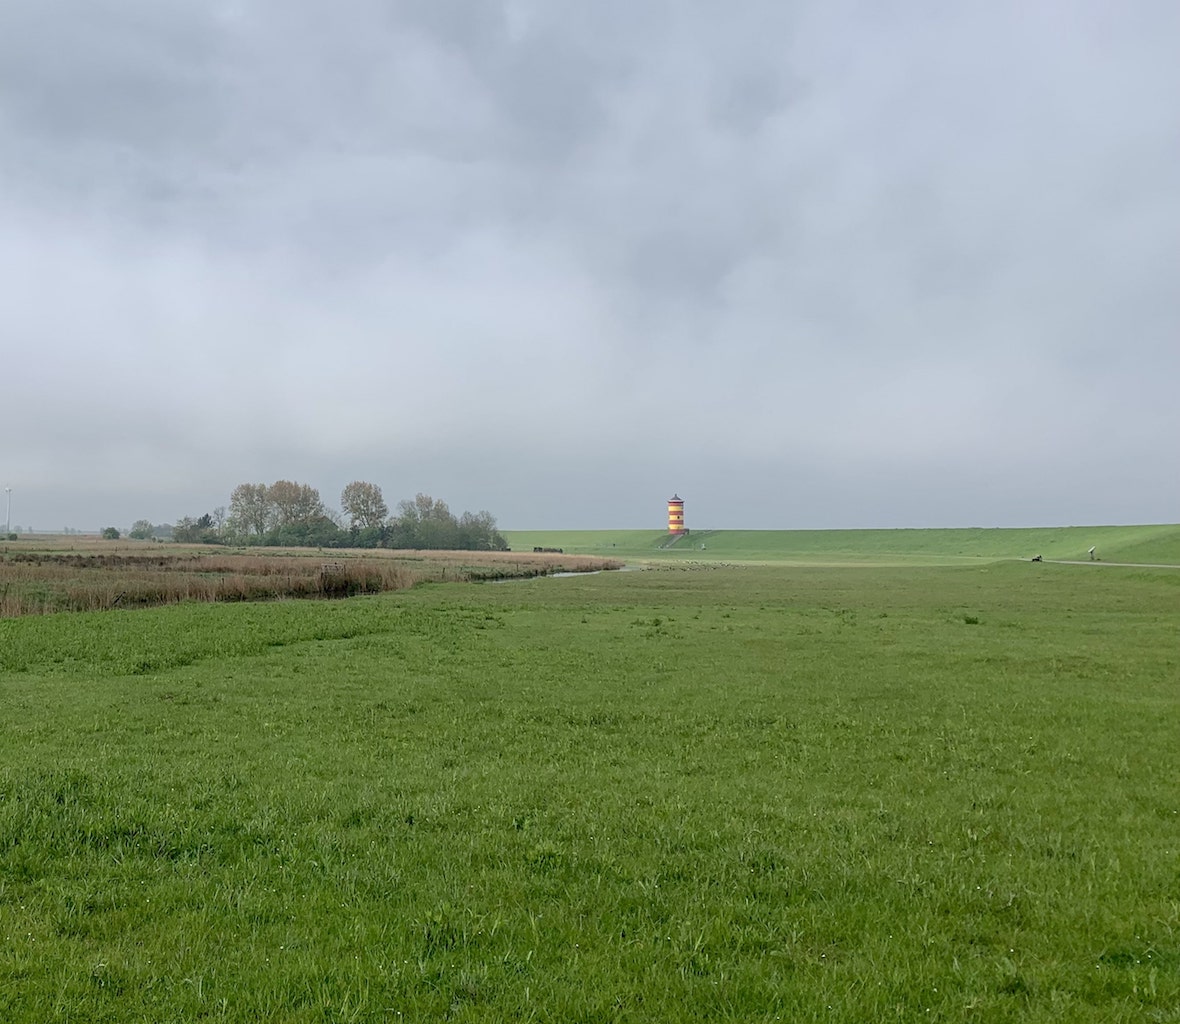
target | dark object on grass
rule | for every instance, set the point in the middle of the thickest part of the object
(1037, 558)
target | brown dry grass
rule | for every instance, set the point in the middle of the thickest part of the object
(87, 574)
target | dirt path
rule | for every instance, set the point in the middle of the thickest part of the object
(1124, 565)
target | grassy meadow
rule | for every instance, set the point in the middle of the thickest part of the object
(718, 793)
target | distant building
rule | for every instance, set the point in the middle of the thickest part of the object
(676, 515)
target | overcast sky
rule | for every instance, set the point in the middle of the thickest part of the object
(812, 264)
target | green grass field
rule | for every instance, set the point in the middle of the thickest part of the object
(1140, 544)
(691, 793)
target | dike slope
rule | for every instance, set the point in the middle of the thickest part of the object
(1132, 544)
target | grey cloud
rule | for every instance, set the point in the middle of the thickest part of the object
(855, 248)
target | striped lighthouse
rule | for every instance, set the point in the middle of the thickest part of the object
(676, 515)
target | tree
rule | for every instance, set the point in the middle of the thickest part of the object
(428, 524)
(319, 532)
(110, 533)
(438, 528)
(251, 510)
(141, 529)
(185, 531)
(295, 503)
(196, 531)
(477, 532)
(425, 523)
(364, 505)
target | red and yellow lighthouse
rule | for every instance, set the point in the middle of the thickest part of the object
(676, 515)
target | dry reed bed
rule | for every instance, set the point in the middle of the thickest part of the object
(33, 583)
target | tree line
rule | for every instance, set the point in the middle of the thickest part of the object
(290, 514)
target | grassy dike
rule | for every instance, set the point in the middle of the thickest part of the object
(1138, 544)
(740, 794)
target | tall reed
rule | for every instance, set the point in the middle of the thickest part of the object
(36, 583)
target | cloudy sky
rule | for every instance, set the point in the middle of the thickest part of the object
(809, 264)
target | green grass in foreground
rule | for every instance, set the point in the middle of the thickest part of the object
(714, 794)
(1140, 544)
